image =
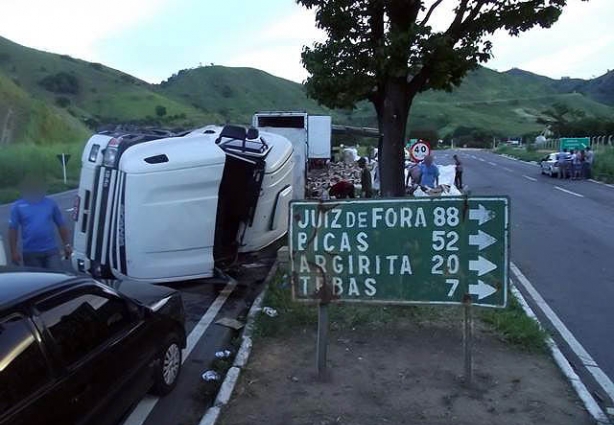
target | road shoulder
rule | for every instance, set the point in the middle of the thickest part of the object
(395, 364)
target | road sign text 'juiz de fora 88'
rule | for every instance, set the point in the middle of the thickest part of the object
(401, 251)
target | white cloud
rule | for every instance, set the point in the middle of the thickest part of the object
(277, 48)
(71, 26)
(298, 27)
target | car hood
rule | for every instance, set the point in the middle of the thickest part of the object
(145, 293)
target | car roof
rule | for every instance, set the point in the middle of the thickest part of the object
(16, 285)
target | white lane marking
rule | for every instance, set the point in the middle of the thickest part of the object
(601, 183)
(591, 365)
(70, 209)
(533, 179)
(492, 163)
(146, 405)
(508, 169)
(569, 192)
(589, 401)
(481, 159)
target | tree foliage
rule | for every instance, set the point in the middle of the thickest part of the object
(565, 121)
(62, 82)
(387, 51)
(160, 110)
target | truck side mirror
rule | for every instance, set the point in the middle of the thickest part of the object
(252, 133)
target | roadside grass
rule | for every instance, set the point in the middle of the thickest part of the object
(516, 327)
(603, 168)
(17, 161)
(510, 323)
(295, 315)
(522, 153)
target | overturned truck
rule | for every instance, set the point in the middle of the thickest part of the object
(158, 207)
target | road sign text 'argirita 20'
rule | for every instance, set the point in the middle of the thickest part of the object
(401, 251)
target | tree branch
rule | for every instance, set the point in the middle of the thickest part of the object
(430, 12)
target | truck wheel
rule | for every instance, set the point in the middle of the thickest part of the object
(169, 366)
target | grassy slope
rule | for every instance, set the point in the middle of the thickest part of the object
(506, 104)
(30, 120)
(104, 93)
(236, 93)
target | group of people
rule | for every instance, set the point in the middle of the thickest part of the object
(575, 165)
(424, 175)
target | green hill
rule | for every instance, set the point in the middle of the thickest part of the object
(236, 93)
(47, 97)
(502, 104)
(90, 92)
(31, 120)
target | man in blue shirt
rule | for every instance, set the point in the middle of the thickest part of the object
(430, 173)
(38, 217)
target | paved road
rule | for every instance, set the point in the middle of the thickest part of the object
(563, 242)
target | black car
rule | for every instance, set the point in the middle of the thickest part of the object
(77, 351)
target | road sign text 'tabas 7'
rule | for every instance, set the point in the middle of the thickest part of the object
(401, 251)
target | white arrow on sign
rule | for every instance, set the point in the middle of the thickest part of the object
(482, 266)
(482, 290)
(482, 215)
(481, 240)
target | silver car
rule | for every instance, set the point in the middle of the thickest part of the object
(549, 165)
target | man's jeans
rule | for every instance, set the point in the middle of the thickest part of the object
(46, 260)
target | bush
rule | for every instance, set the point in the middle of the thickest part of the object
(226, 92)
(62, 101)
(62, 82)
(160, 110)
(97, 66)
(603, 168)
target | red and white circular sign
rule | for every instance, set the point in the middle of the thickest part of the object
(420, 150)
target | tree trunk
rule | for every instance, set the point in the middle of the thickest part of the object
(392, 160)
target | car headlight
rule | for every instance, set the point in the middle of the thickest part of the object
(94, 153)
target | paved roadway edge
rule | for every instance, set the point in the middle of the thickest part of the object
(589, 402)
(232, 376)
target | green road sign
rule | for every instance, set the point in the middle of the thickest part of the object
(575, 143)
(401, 251)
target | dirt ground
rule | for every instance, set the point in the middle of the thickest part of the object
(405, 374)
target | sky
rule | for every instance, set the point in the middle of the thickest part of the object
(153, 39)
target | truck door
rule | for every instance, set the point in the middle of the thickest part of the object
(238, 198)
(318, 136)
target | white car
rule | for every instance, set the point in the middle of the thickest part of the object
(3, 260)
(549, 165)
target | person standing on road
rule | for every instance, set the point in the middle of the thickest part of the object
(429, 173)
(588, 163)
(365, 179)
(37, 216)
(576, 165)
(458, 175)
(561, 160)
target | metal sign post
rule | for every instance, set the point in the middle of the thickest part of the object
(468, 339)
(322, 343)
(63, 158)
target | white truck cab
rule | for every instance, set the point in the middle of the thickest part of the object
(157, 207)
